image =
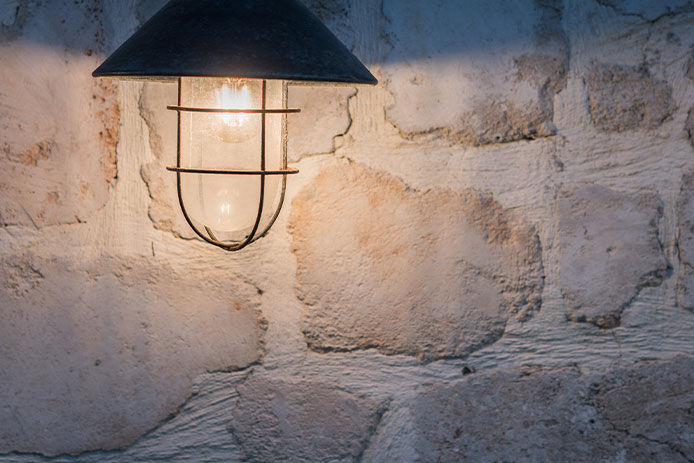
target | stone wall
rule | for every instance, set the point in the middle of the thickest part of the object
(487, 257)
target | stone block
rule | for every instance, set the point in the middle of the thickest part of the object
(654, 403)
(164, 210)
(58, 125)
(609, 250)
(306, 421)
(94, 355)
(324, 116)
(626, 98)
(638, 413)
(461, 71)
(432, 274)
(324, 109)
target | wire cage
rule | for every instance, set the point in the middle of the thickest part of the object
(256, 232)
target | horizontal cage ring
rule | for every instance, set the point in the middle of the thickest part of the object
(232, 111)
(186, 170)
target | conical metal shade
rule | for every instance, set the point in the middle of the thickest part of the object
(265, 39)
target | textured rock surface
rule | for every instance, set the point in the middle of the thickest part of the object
(638, 413)
(445, 269)
(8, 11)
(623, 98)
(609, 251)
(58, 126)
(107, 326)
(164, 210)
(306, 421)
(93, 355)
(652, 404)
(439, 68)
(685, 243)
(529, 414)
(324, 115)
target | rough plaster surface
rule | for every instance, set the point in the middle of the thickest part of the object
(58, 126)
(323, 116)
(164, 210)
(622, 98)
(93, 355)
(609, 251)
(445, 269)
(306, 421)
(651, 403)
(464, 72)
(468, 95)
(637, 413)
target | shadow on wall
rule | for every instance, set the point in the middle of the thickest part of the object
(414, 30)
(436, 29)
(101, 352)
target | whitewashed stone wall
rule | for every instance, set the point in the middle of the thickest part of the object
(487, 257)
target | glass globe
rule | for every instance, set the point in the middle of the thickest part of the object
(229, 203)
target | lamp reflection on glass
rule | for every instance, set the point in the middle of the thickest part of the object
(233, 95)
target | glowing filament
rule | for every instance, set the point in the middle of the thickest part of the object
(230, 96)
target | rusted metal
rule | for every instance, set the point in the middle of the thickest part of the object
(186, 170)
(280, 203)
(233, 111)
(250, 236)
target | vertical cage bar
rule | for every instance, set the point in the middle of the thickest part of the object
(249, 239)
(283, 189)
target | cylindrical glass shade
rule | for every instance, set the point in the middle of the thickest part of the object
(229, 203)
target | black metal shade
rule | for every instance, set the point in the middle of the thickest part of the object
(264, 39)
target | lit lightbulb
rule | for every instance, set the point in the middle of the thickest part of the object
(233, 127)
(229, 141)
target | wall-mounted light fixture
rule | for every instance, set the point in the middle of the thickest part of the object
(232, 60)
